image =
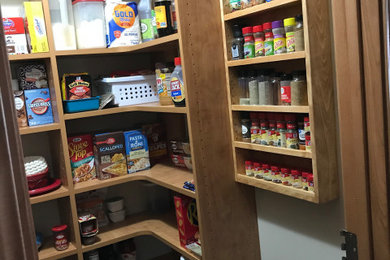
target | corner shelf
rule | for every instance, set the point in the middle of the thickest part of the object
(267, 59)
(39, 129)
(272, 149)
(59, 193)
(31, 56)
(48, 252)
(282, 109)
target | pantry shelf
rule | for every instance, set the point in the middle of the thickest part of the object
(39, 129)
(32, 56)
(148, 107)
(267, 59)
(282, 109)
(48, 251)
(161, 227)
(278, 188)
(157, 44)
(271, 149)
(170, 177)
(255, 10)
(59, 193)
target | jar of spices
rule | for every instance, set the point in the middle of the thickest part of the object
(237, 45)
(256, 169)
(305, 185)
(247, 3)
(248, 168)
(246, 130)
(267, 174)
(275, 174)
(285, 90)
(308, 141)
(255, 132)
(265, 171)
(301, 136)
(289, 27)
(234, 5)
(279, 37)
(275, 84)
(306, 121)
(292, 133)
(259, 40)
(269, 44)
(253, 89)
(61, 242)
(264, 132)
(281, 131)
(243, 88)
(310, 182)
(299, 35)
(285, 177)
(272, 137)
(265, 90)
(296, 179)
(299, 89)
(249, 42)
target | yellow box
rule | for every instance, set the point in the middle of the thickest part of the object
(36, 27)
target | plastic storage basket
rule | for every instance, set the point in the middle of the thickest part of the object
(131, 90)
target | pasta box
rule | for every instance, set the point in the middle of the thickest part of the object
(187, 219)
(38, 106)
(137, 151)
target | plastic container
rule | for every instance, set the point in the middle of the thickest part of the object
(289, 27)
(90, 23)
(299, 89)
(177, 85)
(146, 20)
(299, 34)
(62, 23)
(117, 216)
(115, 204)
(79, 105)
(279, 37)
(249, 42)
(237, 45)
(259, 40)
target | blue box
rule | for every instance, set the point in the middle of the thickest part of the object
(38, 106)
(80, 105)
(137, 151)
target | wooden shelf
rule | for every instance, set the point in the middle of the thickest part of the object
(32, 56)
(148, 107)
(278, 188)
(283, 109)
(255, 10)
(271, 149)
(161, 227)
(170, 177)
(267, 59)
(48, 252)
(38, 129)
(134, 48)
(59, 193)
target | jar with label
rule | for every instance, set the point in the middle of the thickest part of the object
(267, 174)
(163, 78)
(259, 40)
(272, 137)
(265, 90)
(275, 84)
(266, 171)
(61, 241)
(306, 121)
(275, 173)
(269, 44)
(305, 185)
(310, 182)
(289, 27)
(299, 89)
(253, 88)
(285, 177)
(247, 3)
(246, 130)
(264, 132)
(279, 37)
(299, 34)
(255, 132)
(162, 9)
(281, 131)
(301, 136)
(292, 133)
(249, 43)
(296, 179)
(234, 5)
(256, 169)
(237, 45)
(308, 141)
(285, 90)
(248, 168)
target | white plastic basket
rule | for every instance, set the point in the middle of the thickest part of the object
(131, 90)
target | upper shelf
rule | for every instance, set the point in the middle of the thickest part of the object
(39, 129)
(267, 59)
(31, 56)
(259, 8)
(59, 193)
(282, 109)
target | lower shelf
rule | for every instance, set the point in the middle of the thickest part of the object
(48, 252)
(162, 227)
(59, 193)
(278, 188)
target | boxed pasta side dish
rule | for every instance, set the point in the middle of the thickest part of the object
(137, 151)
(110, 155)
(82, 159)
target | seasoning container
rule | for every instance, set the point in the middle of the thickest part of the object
(296, 179)
(301, 136)
(285, 90)
(267, 27)
(243, 88)
(266, 171)
(272, 137)
(259, 40)
(265, 90)
(267, 175)
(299, 34)
(246, 130)
(285, 177)
(264, 132)
(299, 89)
(255, 131)
(281, 131)
(237, 45)
(292, 133)
(275, 84)
(247, 3)
(61, 242)
(248, 168)
(253, 89)
(310, 182)
(305, 185)
(279, 37)
(162, 9)
(269, 44)
(275, 174)
(306, 121)
(257, 171)
(308, 141)
(234, 5)
(249, 42)
(289, 27)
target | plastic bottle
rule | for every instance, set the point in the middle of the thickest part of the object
(173, 15)
(279, 37)
(289, 27)
(299, 35)
(237, 43)
(162, 9)
(259, 40)
(249, 45)
(177, 85)
(146, 20)
(269, 44)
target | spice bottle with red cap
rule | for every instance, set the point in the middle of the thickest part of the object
(310, 182)
(296, 179)
(257, 169)
(177, 85)
(249, 42)
(285, 176)
(259, 40)
(60, 237)
(305, 176)
(269, 39)
(248, 168)
(292, 133)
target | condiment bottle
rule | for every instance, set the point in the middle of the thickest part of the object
(237, 45)
(265, 90)
(299, 35)
(253, 88)
(310, 182)
(292, 133)
(308, 141)
(249, 42)
(272, 137)
(279, 37)
(255, 131)
(285, 176)
(162, 9)
(265, 171)
(306, 121)
(267, 175)
(256, 169)
(281, 131)
(285, 90)
(245, 130)
(146, 20)
(248, 168)
(296, 179)
(275, 174)
(177, 85)
(301, 136)
(61, 241)
(269, 44)
(299, 89)
(259, 40)
(305, 185)
(234, 5)
(289, 27)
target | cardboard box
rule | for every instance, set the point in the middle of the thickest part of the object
(38, 106)
(137, 151)
(36, 27)
(82, 160)
(155, 133)
(20, 107)
(15, 35)
(32, 76)
(187, 219)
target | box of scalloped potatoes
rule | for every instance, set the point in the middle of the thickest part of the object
(110, 155)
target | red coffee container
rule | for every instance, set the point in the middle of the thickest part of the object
(60, 237)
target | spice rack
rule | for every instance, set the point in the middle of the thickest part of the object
(316, 60)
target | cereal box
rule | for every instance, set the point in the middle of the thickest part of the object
(36, 27)
(110, 155)
(32, 76)
(15, 35)
(122, 22)
(187, 219)
(38, 106)
(82, 160)
(20, 108)
(137, 151)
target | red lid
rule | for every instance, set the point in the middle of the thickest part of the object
(257, 28)
(249, 38)
(285, 170)
(291, 126)
(248, 163)
(274, 168)
(280, 125)
(267, 26)
(295, 172)
(306, 119)
(254, 123)
(269, 35)
(305, 174)
(177, 61)
(310, 178)
(79, 1)
(247, 30)
(256, 165)
(264, 124)
(266, 166)
(59, 228)
(307, 136)
(272, 124)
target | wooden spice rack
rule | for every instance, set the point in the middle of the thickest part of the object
(317, 60)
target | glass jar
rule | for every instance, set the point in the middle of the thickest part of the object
(269, 44)
(308, 141)
(301, 136)
(249, 42)
(272, 137)
(265, 90)
(305, 185)
(264, 132)
(285, 90)
(292, 133)
(299, 89)
(310, 182)
(279, 37)
(256, 169)
(285, 177)
(275, 173)
(267, 175)
(61, 241)
(267, 27)
(255, 132)
(248, 168)
(281, 131)
(306, 121)
(237, 44)
(296, 179)
(289, 27)
(243, 87)
(246, 130)
(259, 40)
(275, 84)
(299, 34)
(265, 171)
(253, 89)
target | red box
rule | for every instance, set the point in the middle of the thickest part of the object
(13, 25)
(187, 219)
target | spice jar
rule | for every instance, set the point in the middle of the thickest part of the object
(253, 89)
(296, 179)
(265, 171)
(246, 130)
(308, 141)
(299, 89)
(275, 174)
(265, 90)
(267, 174)
(279, 37)
(237, 45)
(285, 177)
(248, 168)
(275, 84)
(301, 136)
(243, 87)
(269, 44)
(289, 27)
(305, 185)
(292, 133)
(256, 169)
(60, 237)
(259, 40)
(285, 90)
(249, 42)
(272, 137)
(306, 121)
(299, 35)
(263, 129)
(234, 5)
(255, 132)
(310, 182)
(281, 131)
